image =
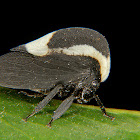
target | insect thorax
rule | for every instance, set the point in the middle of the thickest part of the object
(84, 89)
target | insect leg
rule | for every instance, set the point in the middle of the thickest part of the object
(31, 94)
(61, 109)
(45, 101)
(102, 107)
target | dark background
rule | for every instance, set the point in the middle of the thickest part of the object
(119, 89)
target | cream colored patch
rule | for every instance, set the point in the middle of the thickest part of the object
(39, 47)
(87, 50)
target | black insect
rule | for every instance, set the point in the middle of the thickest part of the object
(68, 62)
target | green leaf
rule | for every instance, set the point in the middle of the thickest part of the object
(80, 122)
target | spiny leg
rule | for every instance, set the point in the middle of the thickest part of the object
(45, 101)
(102, 107)
(64, 106)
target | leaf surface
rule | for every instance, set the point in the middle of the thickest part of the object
(82, 122)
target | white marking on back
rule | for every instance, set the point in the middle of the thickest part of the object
(39, 46)
(86, 50)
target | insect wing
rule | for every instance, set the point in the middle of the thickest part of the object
(21, 70)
